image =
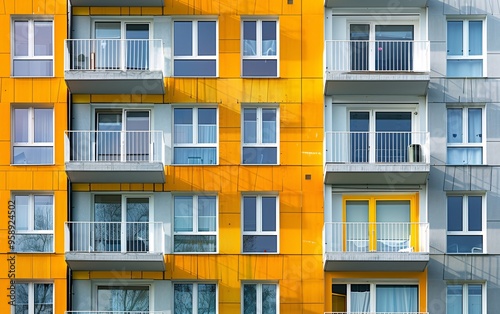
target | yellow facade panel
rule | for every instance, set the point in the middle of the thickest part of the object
(5, 61)
(42, 181)
(105, 186)
(233, 62)
(208, 267)
(290, 115)
(23, 7)
(229, 134)
(260, 267)
(290, 153)
(290, 134)
(23, 90)
(290, 292)
(290, 233)
(255, 178)
(3, 175)
(312, 134)
(80, 99)
(19, 180)
(7, 91)
(41, 90)
(81, 275)
(135, 11)
(5, 157)
(229, 308)
(312, 267)
(57, 265)
(229, 284)
(229, 30)
(24, 266)
(41, 265)
(295, 8)
(156, 275)
(152, 11)
(292, 267)
(58, 91)
(229, 179)
(291, 201)
(211, 179)
(292, 179)
(229, 203)
(152, 99)
(109, 98)
(290, 38)
(124, 10)
(312, 153)
(230, 153)
(229, 230)
(285, 90)
(105, 10)
(80, 187)
(312, 61)
(60, 290)
(311, 238)
(184, 267)
(80, 10)
(312, 291)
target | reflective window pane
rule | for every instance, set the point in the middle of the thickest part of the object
(454, 124)
(475, 38)
(455, 213)
(269, 38)
(260, 155)
(268, 214)
(21, 38)
(43, 212)
(269, 299)
(207, 300)
(475, 300)
(249, 213)
(195, 243)
(183, 38)
(44, 294)
(123, 298)
(260, 243)
(195, 68)
(475, 213)
(249, 125)
(44, 126)
(43, 38)
(22, 298)
(269, 126)
(454, 299)
(183, 125)
(475, 125)
(183, 298)
(195, 156)
(21, 127)
(183, 213)
(22, 212)
(249, 38)
(250, 299)
(207, 38)
(206, 213)
(455, 38)
(465, 244)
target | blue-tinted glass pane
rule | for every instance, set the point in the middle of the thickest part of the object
(183, 298)
(183, 214)
(33, 155)
(256, 68)
(269, 299)
(33, 67)
(269, 126)
(475, 38)
(21, 38)
(264, 244)
(195, 155)
(465, 156)
(475, 299)
(455, 38)
(454, 299)
(21, 125)
(22, 212)
(250, 299)
(206, 214)
(269, 214)
(108, 30)
(22, 298)
(249, 213)
(34, 243)
(269, 38)
(43, 219)
(464, 68)
(475, 125)
(195, 243)
(206, 299)
(250, 125)
(183, 125)
(394, 32)
(455, 213)
(43, 38)
(43, 295)
(207, 38)
(260, 155)
(44, 126)
(454, 125)
(249, 38)
(465, 244)
(183, 38)
(195, 67)
(475, 213)
(207, 125)
(207, 116)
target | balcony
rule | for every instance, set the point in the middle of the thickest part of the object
(115, 156)
(116, 3)
(114, 66)
(114, 245)
(377, 158)
(390, 5)
(378, 67)
(378, 246)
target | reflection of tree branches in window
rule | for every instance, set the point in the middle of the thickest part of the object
(206, 298)
(133, 298)
(183, 298)
(22, 298)
(43, 298)
(34, 242)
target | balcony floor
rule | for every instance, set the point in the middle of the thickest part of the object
(116, 172)
(115, 82)
(375, 261)
(376, 83)
(115, 261)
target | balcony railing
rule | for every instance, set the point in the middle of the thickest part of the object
(377, 55)
(382, 237)
(114, 54)
(377, 147)
(114, 237)
(114, 146)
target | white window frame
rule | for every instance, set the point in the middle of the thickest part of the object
(31, 220)
(258, 221)
(465, 131)
(195, 143)
(122, 283)
(258, 285)
(373, 290)
(195, 294)
(195, 223)
(31, 295)
(31, 134)
(31, 43)
(258, 45)
(465, 222)
(259, 131)
(194, 44)
(465, 295)
(465, 41)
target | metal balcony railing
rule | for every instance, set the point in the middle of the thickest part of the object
(377, 147)
(114, 146)
(118, 237)
(377, 55)
(382, 237)
(113, 54)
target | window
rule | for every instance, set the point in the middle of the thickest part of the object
(195, 223)
(195, 298)
(260, 48)
(33, 130)
(34, 223)
(465, 136)
(260, 224)
(123, 298)
(195, 136)
(465, 224)
(121, 224)
(375, 298)
(34, 298)
(260, 136)
(33, 48)
(465, 299)
(195, 48)
(465, 47)
(260, 298)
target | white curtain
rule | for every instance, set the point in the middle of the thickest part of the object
(207, 134)
(475, 125)
(183, 213)
(454, 299)
(475, 38)
(475, 299)
(206, 213)
(397, 298)
(454, 121)
(360, 301)
(455, 38)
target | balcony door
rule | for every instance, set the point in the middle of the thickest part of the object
(121, 223)
(381, 47)
(380, 136)
(118, 299)
(123, 135)
(121, 45)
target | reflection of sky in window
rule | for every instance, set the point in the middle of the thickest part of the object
(250, 214)
(183, 38)
(207, 38)
(455, 210)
